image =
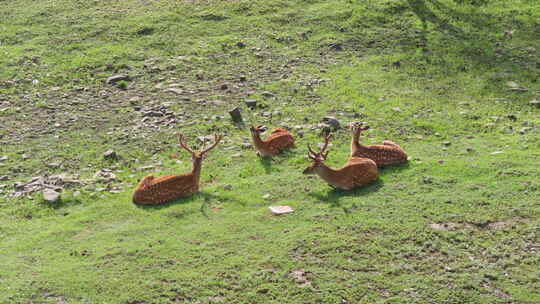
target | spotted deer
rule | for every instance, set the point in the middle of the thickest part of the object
(154, 191)
(272, 145)
(389, 153)
(355, 173)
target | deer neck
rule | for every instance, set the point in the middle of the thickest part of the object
(326, 173)
(355, 142)
(197, 165)
(257, 140)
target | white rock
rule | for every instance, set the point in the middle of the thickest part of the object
(51, 196)
(512, 84)
(278, 210)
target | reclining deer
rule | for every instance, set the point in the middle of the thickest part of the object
(153, 191)
(389, 153)
(355, 173)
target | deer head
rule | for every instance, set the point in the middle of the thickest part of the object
(358, 126)
(258, 129)
(317, 158)
(200, 154)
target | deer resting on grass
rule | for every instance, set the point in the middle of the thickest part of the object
(272, 145)
(389, 153)
(153, 191)
(355, 173)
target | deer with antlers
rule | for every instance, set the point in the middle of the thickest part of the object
(356, 172)
(272, 145)
(389, 153)
(153, 191)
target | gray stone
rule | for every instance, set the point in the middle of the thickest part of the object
(176, 91)
(251, 103)
(110, 154)
(105, 175)
(332, 122)
(267, 94)
(512, 84)
(535, 103)
(152, 114)
(236, 115)
(524, 130)
(53, 165)
(51, 196)
(116, 78)
(146, 168)
(207, 138)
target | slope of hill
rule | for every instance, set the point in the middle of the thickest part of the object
(453, 82)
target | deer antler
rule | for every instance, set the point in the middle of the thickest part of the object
(181, 141)
(217, 138)
(311, 154)
(311, 150)
(326, 141)
(323, 153)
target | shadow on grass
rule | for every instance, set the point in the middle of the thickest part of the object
(333, 196)
(63, 202)
(394, 169)
(207, 198)
(267, 162)
(472, 31)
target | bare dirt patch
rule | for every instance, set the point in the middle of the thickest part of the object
(496, 225)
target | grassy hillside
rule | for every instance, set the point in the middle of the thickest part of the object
(453, 82)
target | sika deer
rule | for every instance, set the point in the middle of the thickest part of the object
(356, 172)
(389, 153)
(277, 141)
(153, 191)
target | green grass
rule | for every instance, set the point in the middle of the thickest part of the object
(377, 244)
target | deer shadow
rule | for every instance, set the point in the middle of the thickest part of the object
(333, 196)
(394, 169)
(266, 162)
(207, 198)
